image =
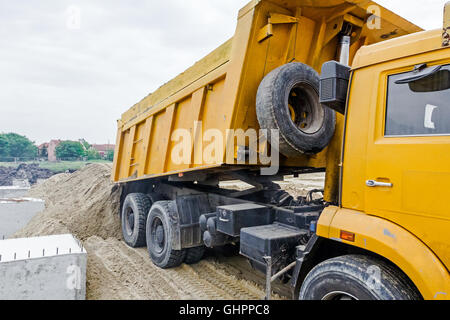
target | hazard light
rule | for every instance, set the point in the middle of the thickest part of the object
(348, 236)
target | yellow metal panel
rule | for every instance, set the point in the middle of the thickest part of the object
(117, 155)
(396, 244)
(137, 148)
(277, 18)
(198, 103)
(187, 112)
(130, 146)
(157, 145)
(354, 20)
(168, 126)
(355, 153)
(305, 34)
(145, 146)
(265, 32)
(211, 117)
(326, 219)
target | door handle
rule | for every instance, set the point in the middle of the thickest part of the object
(374, 184)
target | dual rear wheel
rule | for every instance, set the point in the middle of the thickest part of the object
(145, 222)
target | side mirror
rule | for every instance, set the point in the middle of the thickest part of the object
(334, 85)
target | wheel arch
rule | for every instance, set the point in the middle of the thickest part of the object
(385, 239)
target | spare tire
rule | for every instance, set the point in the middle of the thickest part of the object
(288, 101)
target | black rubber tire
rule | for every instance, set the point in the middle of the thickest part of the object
(354, 276)
(134, 214)
(194, 255)
(160, 249)
(288, 101)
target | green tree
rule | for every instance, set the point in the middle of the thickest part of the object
(4, 147)
(70, 150)
(18, 146)
(93, 154)
(110, 155)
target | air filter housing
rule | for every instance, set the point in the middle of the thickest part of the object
(334, 85)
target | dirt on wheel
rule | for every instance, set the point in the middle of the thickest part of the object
(86, 204)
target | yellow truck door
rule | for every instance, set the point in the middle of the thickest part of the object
(408, 157)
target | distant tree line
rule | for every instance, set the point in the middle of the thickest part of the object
(82, 149)
(13, 145)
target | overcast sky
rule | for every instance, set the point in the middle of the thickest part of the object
(68, 80)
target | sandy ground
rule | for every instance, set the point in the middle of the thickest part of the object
(86, 204)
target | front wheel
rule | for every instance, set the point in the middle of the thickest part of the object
(160, 236)
(356, 277)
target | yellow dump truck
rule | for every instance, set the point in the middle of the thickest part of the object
(377, 121)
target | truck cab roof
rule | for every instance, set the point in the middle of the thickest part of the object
(398, 48)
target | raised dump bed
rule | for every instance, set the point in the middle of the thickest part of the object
(220, 93)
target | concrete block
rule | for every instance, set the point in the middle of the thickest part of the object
(43, 268)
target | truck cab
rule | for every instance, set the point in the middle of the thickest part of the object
(395, 159)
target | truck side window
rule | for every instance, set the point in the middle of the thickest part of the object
(418, 103)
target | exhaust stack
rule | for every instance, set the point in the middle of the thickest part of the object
(344, 50)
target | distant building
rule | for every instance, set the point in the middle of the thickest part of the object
(48, 150)
(52, 145)
(103, 149)
(43, 150)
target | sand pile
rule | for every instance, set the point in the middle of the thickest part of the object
(84, 203)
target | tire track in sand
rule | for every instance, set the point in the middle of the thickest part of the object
(132, 275)
(195, 285)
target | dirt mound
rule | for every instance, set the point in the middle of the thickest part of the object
(84, 203)
(27, 172)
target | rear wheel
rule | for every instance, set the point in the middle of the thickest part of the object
(194, 255)
(135, 210)
(160, 236)
(356, 277)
